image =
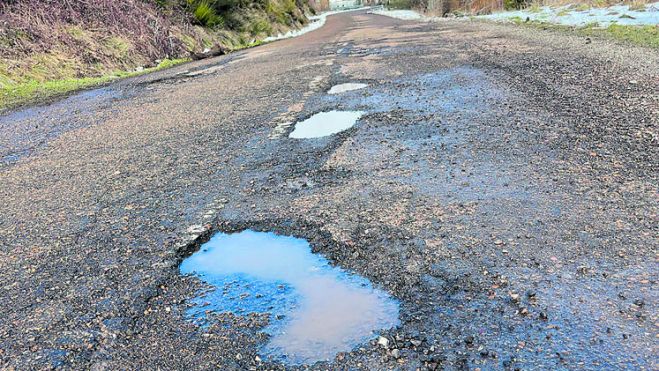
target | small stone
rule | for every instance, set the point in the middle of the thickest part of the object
(383, 341)
(395, 353)
(416, 343)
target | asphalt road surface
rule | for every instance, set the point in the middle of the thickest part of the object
(502, 185)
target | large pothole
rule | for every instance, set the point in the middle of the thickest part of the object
(316, 310)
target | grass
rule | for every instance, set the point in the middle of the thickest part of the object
(637, 35)
(647, 36)
(14, 95)
(399, 4)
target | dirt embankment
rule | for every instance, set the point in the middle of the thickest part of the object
(46, 40)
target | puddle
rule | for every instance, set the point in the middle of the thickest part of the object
(316, 310)
(342, 88)
(325, 123)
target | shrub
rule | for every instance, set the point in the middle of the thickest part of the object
(514, 4)
(205, 14)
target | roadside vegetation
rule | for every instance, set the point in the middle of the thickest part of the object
(478, 7)
(647, 36)
(618, 18)
(50, 47)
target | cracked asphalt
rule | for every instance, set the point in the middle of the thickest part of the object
(502, 185)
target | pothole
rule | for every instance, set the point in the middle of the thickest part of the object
(325, 123)
(316, 310)
(342, 88)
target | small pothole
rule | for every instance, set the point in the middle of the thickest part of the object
(342, 88)
(325, 123)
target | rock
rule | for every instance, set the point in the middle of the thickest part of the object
(215, 51)
(383, 341)
(395, 353)
(416, 343)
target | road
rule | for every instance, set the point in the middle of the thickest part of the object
(502, 185)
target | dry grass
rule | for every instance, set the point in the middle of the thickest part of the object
(442, 7)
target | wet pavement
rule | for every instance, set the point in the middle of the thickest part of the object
(500, 185)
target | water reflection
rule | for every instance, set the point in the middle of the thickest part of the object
(316, 310)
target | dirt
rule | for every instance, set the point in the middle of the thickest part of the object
(501, 184)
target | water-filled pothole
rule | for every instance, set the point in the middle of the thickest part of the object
(316, 310)
(342, 88)
(325, 123)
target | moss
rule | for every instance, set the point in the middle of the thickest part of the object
(14, 94)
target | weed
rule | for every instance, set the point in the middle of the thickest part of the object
(260, 27)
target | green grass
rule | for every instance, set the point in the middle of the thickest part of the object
(399, 4)
(13, 95)
(637, 35)
(647, 36)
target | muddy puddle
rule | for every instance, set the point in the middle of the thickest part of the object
(325, 123)
(342, 88)
(316, 310)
